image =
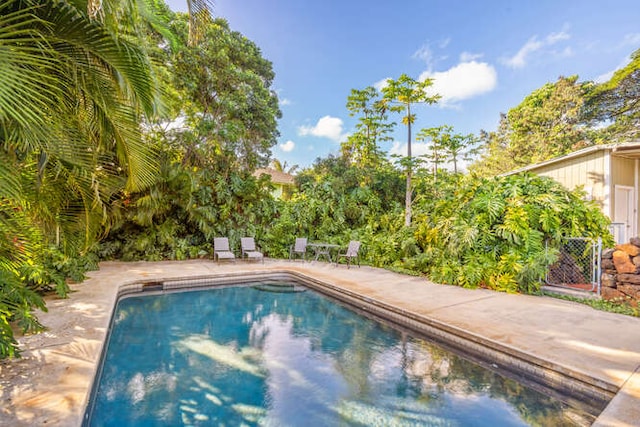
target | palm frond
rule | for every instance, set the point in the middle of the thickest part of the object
(26, 60)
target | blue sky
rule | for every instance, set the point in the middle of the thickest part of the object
(484, 56)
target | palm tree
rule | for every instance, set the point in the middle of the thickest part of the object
(71, 121)
(283, 167)
(74, 87)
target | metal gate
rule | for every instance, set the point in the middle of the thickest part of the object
(578, 266)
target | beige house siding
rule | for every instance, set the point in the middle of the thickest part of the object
(278, 191)
(586, 171)
(622, 171)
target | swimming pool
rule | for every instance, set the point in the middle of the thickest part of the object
(274, 354)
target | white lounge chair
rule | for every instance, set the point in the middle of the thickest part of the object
(298, 248)
(249, 249)
(351, 254)
(221, 249)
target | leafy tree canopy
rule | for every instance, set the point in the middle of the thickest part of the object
(221, 95)
(546, 124)
(373, 127)
(228, 104)
(616, 104)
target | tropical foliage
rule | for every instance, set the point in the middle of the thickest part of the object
(616, 104)
(73, 94)
(337, 201)
(501, 233)
(546, 124)
(362, 148)
(204, 187)
(446, 147)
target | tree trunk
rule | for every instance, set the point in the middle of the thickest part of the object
(407, 202)
(407, 198)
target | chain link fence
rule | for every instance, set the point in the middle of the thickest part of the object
(578, 266)
(619, 231)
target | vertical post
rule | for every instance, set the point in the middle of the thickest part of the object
(546, 253)
(408, 194)
(599, 264)
(636, 182)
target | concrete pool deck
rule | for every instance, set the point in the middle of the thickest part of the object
(50, 384)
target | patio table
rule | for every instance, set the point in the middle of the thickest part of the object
(322, 249)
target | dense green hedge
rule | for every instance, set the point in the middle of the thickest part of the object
(502, 233)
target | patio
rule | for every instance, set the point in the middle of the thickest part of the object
(51, 382)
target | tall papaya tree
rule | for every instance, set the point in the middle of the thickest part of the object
(400, 96)
(447, 146)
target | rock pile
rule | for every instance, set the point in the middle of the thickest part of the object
(621, 272)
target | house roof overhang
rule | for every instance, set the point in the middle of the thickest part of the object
(629, 150)
(277, 177)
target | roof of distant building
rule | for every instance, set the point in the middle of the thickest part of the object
(277, 177)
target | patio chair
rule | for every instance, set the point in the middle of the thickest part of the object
(221, 249)
(298, 248)
(351, 254)
(249, 249)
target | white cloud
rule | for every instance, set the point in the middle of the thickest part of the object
(607, 76)
(281, 99)
(604, 77)
(519, 60)
(468, 56)
(287, 146)
(554, 38)
(444, 43)
(424, 53)
(327, 127)
(566, 52)
(381, 84)
(464, 81)
(417, 148)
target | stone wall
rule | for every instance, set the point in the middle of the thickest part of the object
(621, 273)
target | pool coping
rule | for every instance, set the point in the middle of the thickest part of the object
(621, 408)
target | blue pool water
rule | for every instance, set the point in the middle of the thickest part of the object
(254, 356)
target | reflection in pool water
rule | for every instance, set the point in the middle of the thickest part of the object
(243, 356)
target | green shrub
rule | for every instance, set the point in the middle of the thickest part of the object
(501, 233)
